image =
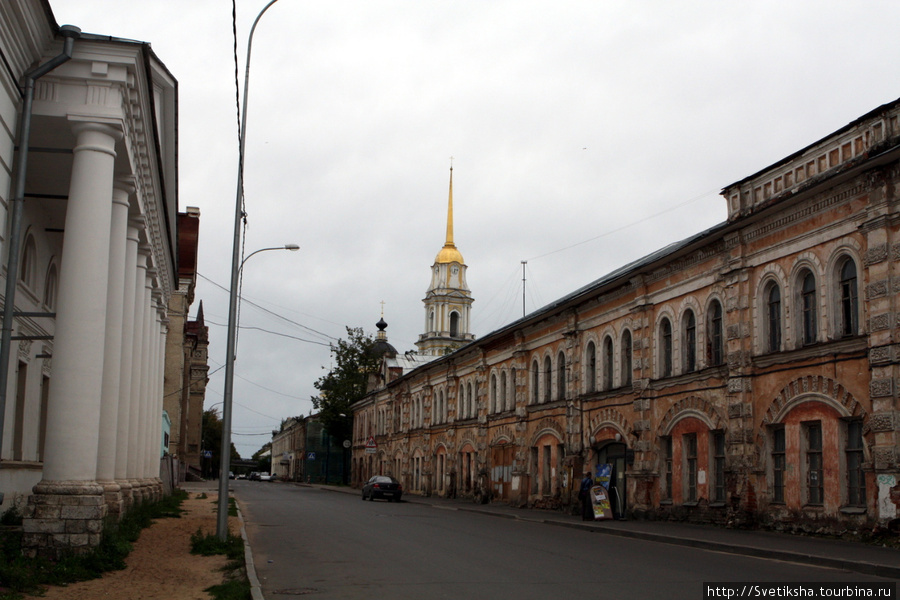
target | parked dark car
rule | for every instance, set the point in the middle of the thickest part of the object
(254, 475)
(382, 486)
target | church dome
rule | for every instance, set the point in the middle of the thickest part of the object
(382, 347)
(449, 254)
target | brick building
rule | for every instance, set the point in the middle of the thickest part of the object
(748, 373)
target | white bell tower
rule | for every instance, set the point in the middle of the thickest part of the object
(448, 302)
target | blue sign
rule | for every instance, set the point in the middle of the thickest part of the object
(604, 471)
(310, 456)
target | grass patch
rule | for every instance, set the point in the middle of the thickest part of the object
(232, 507)
(233, 589)
(19, 575)
(236, 586)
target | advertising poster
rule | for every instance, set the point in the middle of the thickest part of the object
(604, 472)
(600, 501)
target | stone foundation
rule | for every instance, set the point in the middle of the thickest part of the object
(115, 504)
(63, 517)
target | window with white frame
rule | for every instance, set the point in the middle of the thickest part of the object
(772, 317)
(590, 368)
(689, 341)
(689, 449)
(626, 357)
(718, 455)
(50, 287)
(807, 308)
(665, 347)
(561, 376)
(715, 335)
(28, 269)
(856, 479)
(494, 399)
(607, 363)
(548, 378)
(815, 476)
(848, 313)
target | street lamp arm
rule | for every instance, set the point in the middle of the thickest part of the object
(291, 247)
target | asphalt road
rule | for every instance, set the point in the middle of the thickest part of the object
(325, 544)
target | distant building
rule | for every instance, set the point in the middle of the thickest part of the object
(187, 352)
(746, 374)
(303, 451)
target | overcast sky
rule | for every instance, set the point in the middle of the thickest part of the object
(585, 134)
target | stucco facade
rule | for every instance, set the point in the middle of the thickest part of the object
(91, 271)
(746, 374)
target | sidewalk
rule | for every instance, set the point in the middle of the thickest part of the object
(837, 554)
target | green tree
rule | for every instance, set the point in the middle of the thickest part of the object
(346, 382)
(211, 439)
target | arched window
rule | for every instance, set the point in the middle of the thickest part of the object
(808, 307)
(535, 382)
(471, 402)
(689, 341)
(848, 294)
(511, 402)
(607, 363)
(50, 287)
(461, 402)
(548, 378)
(773, 317)
(626, 357)
(454, 324)
(665, 347)
(441, 414)
(501, 406)
(28, 269)
(715, 340)
(590, 369)
(431, 321)
(561, 376)
(494, 406)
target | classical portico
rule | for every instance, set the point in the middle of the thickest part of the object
(101, 199)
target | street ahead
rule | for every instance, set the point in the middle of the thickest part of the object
(326, 544)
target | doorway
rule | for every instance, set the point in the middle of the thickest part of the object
(614, 454)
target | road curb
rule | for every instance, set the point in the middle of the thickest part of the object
(255, 587)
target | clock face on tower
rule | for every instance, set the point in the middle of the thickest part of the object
(455, 270)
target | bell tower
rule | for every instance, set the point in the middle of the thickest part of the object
(448, 301)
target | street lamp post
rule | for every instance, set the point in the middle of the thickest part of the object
(225, 456)
(236, 264)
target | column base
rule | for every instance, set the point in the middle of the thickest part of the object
(127, 494)
(63, 518)
(115, 503)
(137, 492)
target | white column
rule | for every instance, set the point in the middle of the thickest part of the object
(128, 321)
(112, 353)
(143, 391)
(141, 302)
(74, 403)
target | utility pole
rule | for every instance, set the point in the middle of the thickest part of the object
(524, 262)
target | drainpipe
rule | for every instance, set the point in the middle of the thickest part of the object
(70, 33)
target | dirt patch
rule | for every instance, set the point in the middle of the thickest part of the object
(161, 566)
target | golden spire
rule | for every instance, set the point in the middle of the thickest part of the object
(449, 253)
